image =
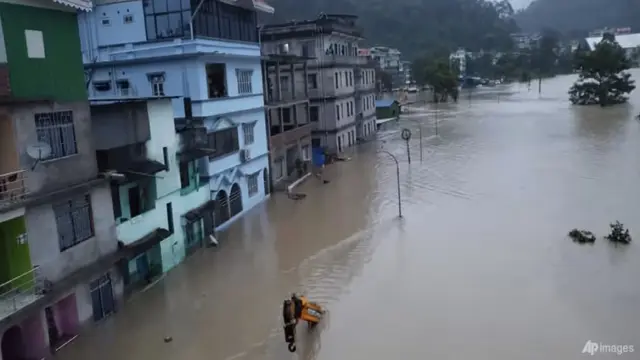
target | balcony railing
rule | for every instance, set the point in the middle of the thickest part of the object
(290, 135)
(114, 93)
(21, 291)
(13, 187)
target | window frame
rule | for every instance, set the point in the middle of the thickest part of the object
(253, 187)
(52, 128)
(244, 80)
(248, 133)
(68, 210)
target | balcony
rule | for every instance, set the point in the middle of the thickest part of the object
(98, 92)
(142, 225)
(13, 188)
(193, 143)
(21, 291)
(288, 134)
(285, 98)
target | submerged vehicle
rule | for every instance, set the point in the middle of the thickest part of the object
(295, 309)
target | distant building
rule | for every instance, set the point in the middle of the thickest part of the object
(389, 60)
(459, 59)
(525, 41)
(341, 84)
(629, 42)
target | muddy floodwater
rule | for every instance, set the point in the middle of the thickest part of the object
(479, 267)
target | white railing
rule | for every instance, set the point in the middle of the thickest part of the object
(13, 187)
(21, 291)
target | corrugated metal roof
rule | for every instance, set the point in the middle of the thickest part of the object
(627, 41)
(84, 5)
(385, 102)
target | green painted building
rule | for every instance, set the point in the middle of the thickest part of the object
(40, 51)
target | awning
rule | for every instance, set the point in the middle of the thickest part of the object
(258, 5)
(194, 154)
(141, 169)
(199, 212)
(84, 5)
(145, 243)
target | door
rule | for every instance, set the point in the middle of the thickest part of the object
(54, 334)
(102, 297)
(134, 201)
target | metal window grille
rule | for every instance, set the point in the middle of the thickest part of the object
(57, 130)
(244, 81)
(74, 221)
(247, 130)
(252, 183)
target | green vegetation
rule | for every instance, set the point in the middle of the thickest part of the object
(439, 74)
(603, 78)
(417, 26)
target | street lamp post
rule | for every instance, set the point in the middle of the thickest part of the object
(398, 180)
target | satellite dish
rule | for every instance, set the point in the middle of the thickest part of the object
(39, 151)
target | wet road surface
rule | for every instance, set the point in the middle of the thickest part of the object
(478, 268)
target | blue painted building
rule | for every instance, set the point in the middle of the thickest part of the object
(207, 51)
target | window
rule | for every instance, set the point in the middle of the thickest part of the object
(165, 157)
(166, 18)
(244, 81)
(312, 80)
(74, 221)
(170, 217)
(252, 184)
(127, 19)
(284, 83)
(308, 49)
(314, 114)
(157, 85)
(316, 142)
(216, 80)
(35, 44)
(57, 130)
(342, 110)
(278, 169)
(185, 179)
(336, 79)
(338, 111)
(223, 142)
(247, 130)
(305, 153)
(216, 19)
(350, 79)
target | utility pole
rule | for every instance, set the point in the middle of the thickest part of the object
(398, 181)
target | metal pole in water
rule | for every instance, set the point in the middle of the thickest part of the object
(406, 136)
(398, 180)
(420, 124)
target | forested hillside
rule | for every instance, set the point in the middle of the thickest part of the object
(416, 26)
(579, 16)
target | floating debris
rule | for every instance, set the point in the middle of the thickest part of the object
(168, 339)
(582, 236)
(296, 196)
(619, 234)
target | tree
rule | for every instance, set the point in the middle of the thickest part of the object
(442, 78)
(604, 79)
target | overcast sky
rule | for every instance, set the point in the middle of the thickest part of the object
(519, 4)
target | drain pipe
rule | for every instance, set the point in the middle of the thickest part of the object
(193, 16)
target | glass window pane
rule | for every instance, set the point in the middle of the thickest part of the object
(174, 5)
(148, 6)
(162, 26)
(160, 6)
(186, 16)
(175, 24)
(151, 27)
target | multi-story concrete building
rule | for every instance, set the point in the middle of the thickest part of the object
(58, 249)
(136, 143)
(286, 89)
(389, 60)
(333, 74)
(207, 51)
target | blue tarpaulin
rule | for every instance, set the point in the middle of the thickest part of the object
(318, 156)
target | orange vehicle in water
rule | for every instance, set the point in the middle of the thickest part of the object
(299, 308)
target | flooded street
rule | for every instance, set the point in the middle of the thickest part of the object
(478, 268)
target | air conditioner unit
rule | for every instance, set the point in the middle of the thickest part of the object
(245, 155)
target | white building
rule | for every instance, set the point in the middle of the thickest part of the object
(629, 42)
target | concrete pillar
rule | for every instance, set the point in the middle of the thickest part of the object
(306, 80)
(278, 85)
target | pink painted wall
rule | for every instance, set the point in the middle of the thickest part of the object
(35, 343)
(66, 314)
